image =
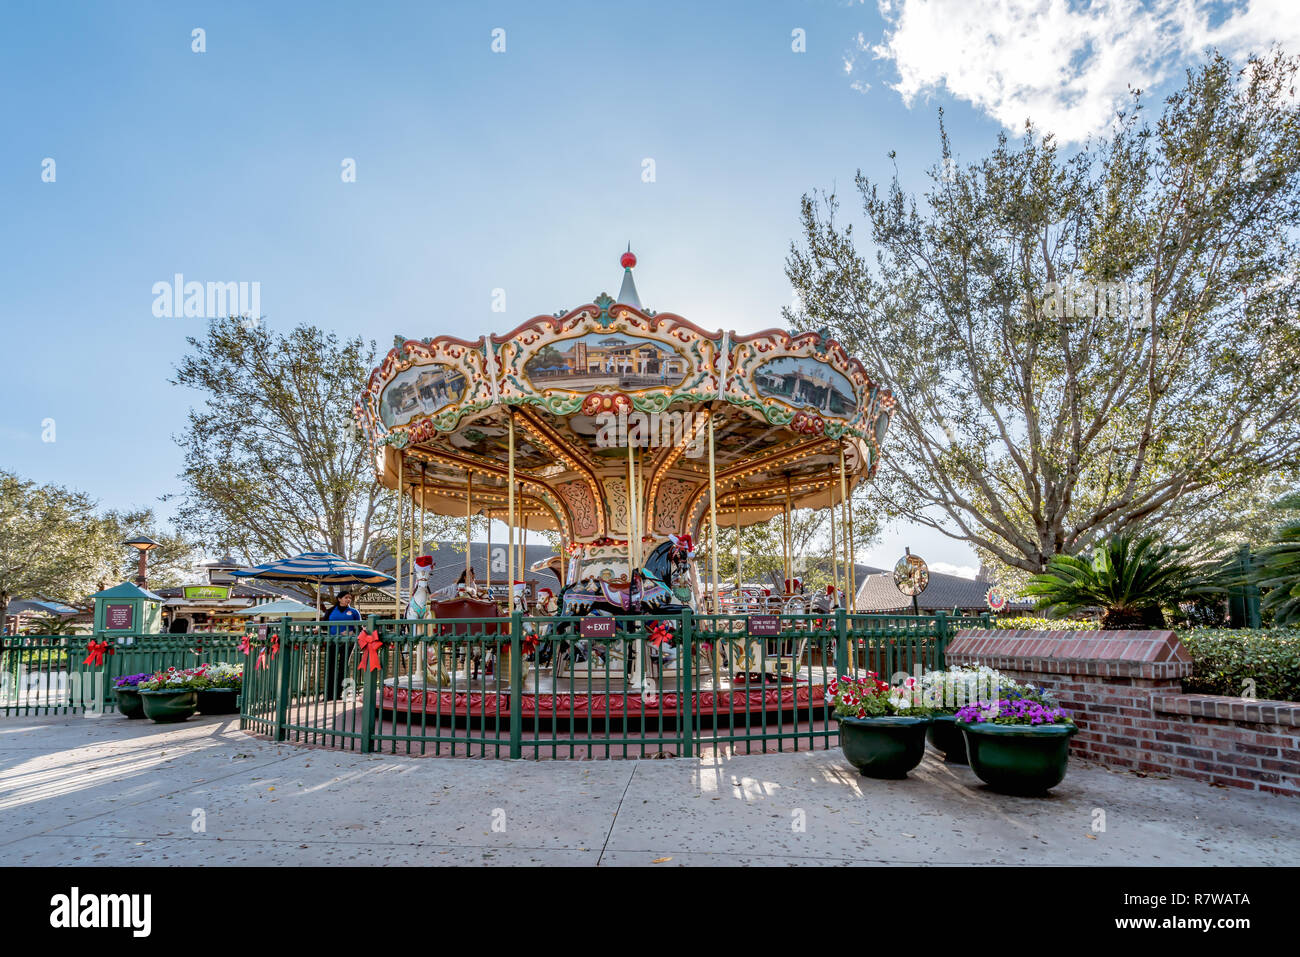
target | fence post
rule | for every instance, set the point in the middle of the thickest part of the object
(688, 718)
(937, 656)
(369, 685)
(105, 678)
(282, 679)
(841, 642)
(516, 684)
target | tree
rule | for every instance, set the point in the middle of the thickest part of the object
(1082, 345)
(168, 564)
(1277, 568)
(1130, 577)
(762, 551)
(53, 545)
(274, 462)
(51, 625)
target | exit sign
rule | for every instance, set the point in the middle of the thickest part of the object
(597, 626)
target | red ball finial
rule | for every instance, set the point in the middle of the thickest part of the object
(627, 260)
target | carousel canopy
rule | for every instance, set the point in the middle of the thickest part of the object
(582, 386)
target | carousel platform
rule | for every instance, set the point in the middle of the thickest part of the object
(545, 697)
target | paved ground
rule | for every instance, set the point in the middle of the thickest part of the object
(86, 791)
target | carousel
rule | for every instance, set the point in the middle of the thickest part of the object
(633, 435)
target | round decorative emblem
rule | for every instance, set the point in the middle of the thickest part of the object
(996, 598)
(911, 575)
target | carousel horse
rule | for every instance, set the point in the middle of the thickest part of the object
(661, 586)
(826, 602)
(418, 608)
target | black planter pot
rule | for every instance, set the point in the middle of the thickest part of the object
(884, 747)
(166, 707)
(945, 735)
(219, 701)
(1022, 759)
(128, 702)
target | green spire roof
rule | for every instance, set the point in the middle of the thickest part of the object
(126, 590)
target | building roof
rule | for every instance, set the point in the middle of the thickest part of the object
(126, 590)
(40, 607)
(877, 593)
(449, 565)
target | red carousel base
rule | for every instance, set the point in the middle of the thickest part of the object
(786, 698)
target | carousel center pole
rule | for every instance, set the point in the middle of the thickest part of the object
(713, 520)
(410, 561)
(631, 509)
(789, 538)
(849, 597)
(835, 560)
(510, 518)
(469, 494)
(397, 569)
(739, 576)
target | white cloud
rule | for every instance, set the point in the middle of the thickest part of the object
(947, 568)
(1066, 65)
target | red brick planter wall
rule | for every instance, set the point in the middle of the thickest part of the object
(1124, 691)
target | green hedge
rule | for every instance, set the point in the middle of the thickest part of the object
(1046, 624)
(1224, 659)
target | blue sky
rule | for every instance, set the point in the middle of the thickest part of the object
(475, 171)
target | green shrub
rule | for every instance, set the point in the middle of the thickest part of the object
(1225, 659)
(1046, 624)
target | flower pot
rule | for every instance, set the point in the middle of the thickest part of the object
(945, 735)
(1025, 759)
(128, 702)
(218, 701)
(167, 705)
(883, 747)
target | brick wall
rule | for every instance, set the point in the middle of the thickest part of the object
(1124, 690)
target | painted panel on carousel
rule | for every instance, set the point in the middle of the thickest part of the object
(606, 361)
(806, 383)
(420, 390)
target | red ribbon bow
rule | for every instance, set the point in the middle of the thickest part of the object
(529, 644)
(369, 642)
(660, 636)
(261, 660)
(246, 645)
(96, 657)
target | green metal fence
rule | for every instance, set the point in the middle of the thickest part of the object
(536, 687)
(42, 675)
(512, 687)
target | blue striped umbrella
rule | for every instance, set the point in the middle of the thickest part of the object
(320, 568)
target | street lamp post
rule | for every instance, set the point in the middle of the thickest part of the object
(142, 543)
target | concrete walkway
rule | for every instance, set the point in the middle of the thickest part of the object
(86, 791)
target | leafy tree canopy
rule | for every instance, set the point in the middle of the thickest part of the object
(1082, 344)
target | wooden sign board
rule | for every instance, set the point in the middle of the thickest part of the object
(119, 617)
